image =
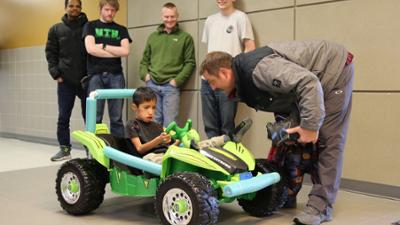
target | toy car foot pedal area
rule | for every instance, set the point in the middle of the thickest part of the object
(276, 132)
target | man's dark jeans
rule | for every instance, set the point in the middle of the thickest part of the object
(109, 81)
(66, 99)
(218, 111)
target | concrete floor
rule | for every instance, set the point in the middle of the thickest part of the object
(27, 195)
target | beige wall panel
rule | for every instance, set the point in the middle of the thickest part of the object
(189, 109)
(139, 37)
(256, 5)
(192, 28)
(370, 35)
(270, 26)
(372, 152)
(200, 125)
(145, 12)
(208, 7)
(202, 46)
(302, 2)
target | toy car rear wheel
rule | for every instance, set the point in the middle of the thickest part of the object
(186, 198)
(79, 188)
(269, 199)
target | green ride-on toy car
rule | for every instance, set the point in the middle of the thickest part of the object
(188, 186)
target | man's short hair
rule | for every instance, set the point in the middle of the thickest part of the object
(113, 3)
(66, 3)
(143, 94)
(169, 5)
(214, 61)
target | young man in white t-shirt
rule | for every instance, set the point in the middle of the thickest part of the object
(230, 31)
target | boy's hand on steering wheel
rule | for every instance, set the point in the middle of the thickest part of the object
(165, 138)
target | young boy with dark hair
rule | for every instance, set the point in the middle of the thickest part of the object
(147, 137)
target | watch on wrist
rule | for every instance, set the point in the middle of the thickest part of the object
(104, 46)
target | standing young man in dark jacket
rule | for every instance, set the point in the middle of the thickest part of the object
(106, 42)
(66, 57)
(312, 77)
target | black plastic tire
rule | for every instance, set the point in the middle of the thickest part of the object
(100, 171)
(80, 189)
(197, 195)
(269, 199)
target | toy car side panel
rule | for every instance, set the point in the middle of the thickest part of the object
(94, 145)
(191, 157)
(241, 152)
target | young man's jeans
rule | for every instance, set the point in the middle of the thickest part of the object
(109, 81)
(218, 111)
(66, 99)
(167, 102)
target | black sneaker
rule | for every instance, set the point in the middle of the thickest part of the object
(63, 154)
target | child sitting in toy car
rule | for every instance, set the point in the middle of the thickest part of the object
(147, 138)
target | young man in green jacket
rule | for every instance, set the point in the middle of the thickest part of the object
(168, 61)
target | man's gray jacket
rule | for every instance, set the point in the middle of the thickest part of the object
(276, 77)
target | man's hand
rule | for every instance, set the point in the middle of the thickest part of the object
(172, 82)
(147, 78)
(306, 136)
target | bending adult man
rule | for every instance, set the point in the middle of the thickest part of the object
(168, 61)
(106, 42)
(313, 77)
(66, 57)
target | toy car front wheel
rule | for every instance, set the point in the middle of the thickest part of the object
(80, 190)
(268, 199)
(186, 198)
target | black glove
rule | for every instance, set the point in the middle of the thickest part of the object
(276, 132)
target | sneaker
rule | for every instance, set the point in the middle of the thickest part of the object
(63, 154)
(291, 203)
(328, 214)
(312, 216)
